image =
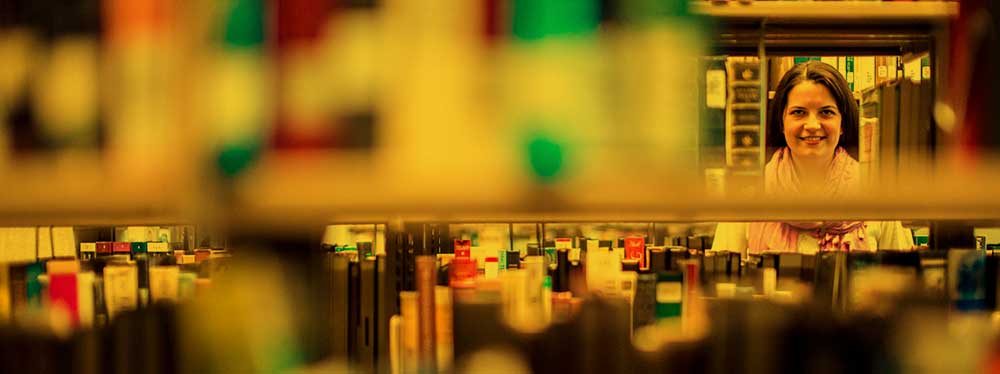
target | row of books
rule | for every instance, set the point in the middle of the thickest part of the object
(431, 308)
(897, 131)
(568, 304)
(38, 243)
(106, 279)
(862, 72)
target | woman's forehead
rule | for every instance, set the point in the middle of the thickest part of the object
(809, 93)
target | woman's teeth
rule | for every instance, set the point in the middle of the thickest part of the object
(812, 138)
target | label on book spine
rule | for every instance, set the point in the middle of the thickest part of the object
(121, 247)
(157, 247)
(463, 248)
(635, 249)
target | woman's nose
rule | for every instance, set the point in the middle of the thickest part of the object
(812, 123)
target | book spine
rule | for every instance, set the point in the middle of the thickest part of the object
(395, 352)
(881, 69)
(426, 274)
(5, 294)
(443, 326)
(63, 296)
(164, 283)
(849, 69)
(367, 321)
(18, 290)
(120, 289)
(864, 67)
(85, 297)
(410, 331)
(33, 286)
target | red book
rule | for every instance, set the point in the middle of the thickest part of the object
(635, 249)
(63, 295)
(122, 247)
(463, 248)
(103, 247)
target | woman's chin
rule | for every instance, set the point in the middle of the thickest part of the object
(811, 153)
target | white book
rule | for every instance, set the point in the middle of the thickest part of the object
(478, 254)
(121, 283)
(63, 242)
(911, 70)
(164, 282)
(842, 66)
(864, 73)
(44, 242)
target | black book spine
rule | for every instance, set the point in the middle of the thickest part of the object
(353, 311)
(339, 296)
(644, 308)
(367, 319)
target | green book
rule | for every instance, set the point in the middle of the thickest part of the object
(669, 294)
(849, 66)
(32, 284)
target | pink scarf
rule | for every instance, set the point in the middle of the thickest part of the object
(780, 178)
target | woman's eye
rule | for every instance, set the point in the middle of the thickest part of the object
(798, 112)
(828, 112)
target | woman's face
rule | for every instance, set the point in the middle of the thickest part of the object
(811, 122)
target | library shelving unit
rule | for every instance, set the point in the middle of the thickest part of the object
(282, 188)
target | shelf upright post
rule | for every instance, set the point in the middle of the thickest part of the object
(763, 79)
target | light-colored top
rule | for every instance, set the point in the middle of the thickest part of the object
(732, 236)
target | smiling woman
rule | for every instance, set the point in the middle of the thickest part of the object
(812, 130)
(813, 125)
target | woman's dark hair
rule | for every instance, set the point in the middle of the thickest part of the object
(828, 76)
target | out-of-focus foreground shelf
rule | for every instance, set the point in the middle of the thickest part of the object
(840, 11)
(296, 203)
(89, 190)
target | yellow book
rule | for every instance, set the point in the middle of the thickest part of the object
(85, 298)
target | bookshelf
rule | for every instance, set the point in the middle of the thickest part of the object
(89, 190)
(834, 11)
